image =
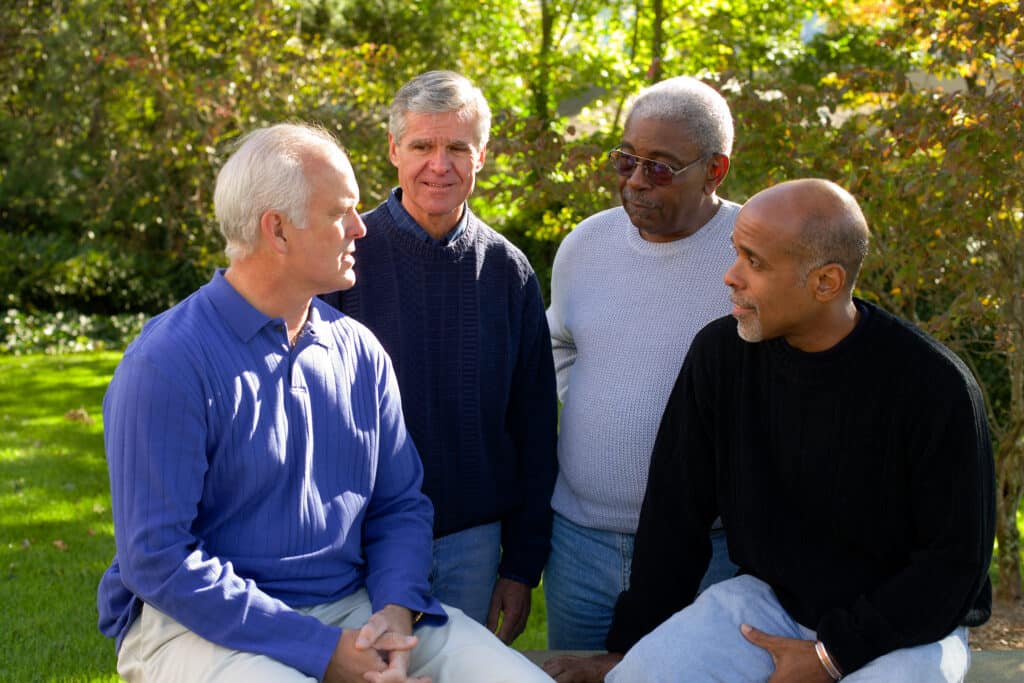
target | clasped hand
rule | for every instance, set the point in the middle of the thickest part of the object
(378, 652)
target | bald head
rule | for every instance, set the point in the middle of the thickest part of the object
(820, 222)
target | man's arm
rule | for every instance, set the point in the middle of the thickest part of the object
(398, 528)
(155, 432)
(563, 346)
(672, 549)
(949, 551)
(532, 422)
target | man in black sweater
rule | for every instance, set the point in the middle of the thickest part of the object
(848, 455)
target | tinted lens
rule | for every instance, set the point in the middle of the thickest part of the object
(624, 163)
(659, 173)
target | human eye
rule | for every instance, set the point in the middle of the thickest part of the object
(659, 168)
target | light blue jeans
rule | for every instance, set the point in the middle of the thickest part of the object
(465, 568)
(586, 571)
(703, 643)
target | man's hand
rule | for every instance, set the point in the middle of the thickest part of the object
(795, 660)
(571, 669)
(512, 600)
(378, 652)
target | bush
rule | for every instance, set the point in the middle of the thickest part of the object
(66, 332)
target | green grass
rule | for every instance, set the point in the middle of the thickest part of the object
(56, 533)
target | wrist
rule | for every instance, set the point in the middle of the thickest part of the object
(827, 662)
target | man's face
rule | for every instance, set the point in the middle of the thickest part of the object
(771, 293)
(323, 249)
(662, 213)
(437, 161)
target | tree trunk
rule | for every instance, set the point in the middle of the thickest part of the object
(1009, 490)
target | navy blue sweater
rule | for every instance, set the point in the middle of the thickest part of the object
(464, 324)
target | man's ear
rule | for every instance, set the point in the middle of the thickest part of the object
(272, 230)
(478, 162)
(829, 281)
(392, 150)
(718, 168)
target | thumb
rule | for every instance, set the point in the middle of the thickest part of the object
(762, 640)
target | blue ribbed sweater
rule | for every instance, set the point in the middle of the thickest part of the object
(248, 478)
(464, 324)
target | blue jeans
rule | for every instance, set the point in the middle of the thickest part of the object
(704, 640)
(586, 571)
(465, 568)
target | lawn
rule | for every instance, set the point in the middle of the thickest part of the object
(57, 537)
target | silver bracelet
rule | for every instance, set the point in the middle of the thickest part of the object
(826, 661)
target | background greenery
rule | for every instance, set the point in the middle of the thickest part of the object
(116, 114)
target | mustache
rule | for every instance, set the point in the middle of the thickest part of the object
(637, 198)
(741, 302)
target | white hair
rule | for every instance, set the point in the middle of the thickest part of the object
(694, 105)
(266, 172)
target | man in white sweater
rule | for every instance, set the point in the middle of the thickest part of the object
(631, 287)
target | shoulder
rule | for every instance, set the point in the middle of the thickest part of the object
(912, 351)
(590, 240)
(717, 336)
(173, 348)
(496, 246)
(601, 225)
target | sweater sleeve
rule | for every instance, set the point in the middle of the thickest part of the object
(673, 547)
(563, 346)
(951, 546)
(155, 433)
(533, 424)
(397, 529)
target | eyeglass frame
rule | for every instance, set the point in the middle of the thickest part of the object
(648, 164)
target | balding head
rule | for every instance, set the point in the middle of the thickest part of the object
(822, 223)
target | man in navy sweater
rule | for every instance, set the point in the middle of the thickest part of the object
(266, 497)
(848, 454)
(459, 310)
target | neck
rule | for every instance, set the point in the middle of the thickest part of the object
(833, 327)
(269, 293)
(695, 221)
(436, 225)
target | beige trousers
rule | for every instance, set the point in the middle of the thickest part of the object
(157, 648)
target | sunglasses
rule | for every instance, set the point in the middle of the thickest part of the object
(657, 172)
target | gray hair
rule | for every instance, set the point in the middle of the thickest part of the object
(837, 233)
(266, 172)
(440, 92)
(694, 105)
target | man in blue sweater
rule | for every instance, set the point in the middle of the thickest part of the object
(459, 310)
(268, 518)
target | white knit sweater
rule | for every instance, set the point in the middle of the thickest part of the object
(623, 313)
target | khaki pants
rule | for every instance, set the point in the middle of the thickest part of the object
(158, 648)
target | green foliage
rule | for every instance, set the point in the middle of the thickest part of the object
(66, 332)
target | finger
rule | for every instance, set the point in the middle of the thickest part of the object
(494, 613)
(557, 665)
(756, 637)
(511, 626)
(370, 632)
(392, 641)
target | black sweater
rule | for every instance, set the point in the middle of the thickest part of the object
(857, 482)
